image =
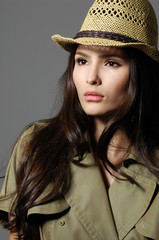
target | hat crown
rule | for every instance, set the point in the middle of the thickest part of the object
(132, 18)
(117, 23)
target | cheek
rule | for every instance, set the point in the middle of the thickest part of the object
(123, 79)
(124, 82)
(76, 79)
(119, 84)
(74, 76)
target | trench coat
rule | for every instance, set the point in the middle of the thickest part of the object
(89, 211)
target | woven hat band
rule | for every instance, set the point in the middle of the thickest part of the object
(106, 35)
(117, 23)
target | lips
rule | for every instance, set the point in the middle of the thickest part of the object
(93, 97)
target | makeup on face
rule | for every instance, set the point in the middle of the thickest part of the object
(100, 75)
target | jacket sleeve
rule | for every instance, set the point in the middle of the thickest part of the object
(8, 191)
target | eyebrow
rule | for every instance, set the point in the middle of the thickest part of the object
(103, 55)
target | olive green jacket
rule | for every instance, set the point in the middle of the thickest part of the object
(90, 212)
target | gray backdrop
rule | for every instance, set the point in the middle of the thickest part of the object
(31, 64)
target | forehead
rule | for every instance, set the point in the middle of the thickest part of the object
(102, 50)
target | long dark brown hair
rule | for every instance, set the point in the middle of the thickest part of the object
(51, 148)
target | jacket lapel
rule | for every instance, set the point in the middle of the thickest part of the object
(148, 225)
(87, 196)
(130, 201)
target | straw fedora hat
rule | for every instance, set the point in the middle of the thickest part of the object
(119, 23)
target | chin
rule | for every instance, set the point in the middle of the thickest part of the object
(95, 113)
(99, 113)
(96, 110)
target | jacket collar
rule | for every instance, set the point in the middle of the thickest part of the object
(129, 201)
(87, 196)
(93, 204)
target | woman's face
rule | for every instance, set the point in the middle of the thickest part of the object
(100, 75)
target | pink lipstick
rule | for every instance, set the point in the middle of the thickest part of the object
(93, 97)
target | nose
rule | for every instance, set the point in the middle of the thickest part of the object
(93, 76)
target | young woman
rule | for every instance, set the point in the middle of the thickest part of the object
(92, 172)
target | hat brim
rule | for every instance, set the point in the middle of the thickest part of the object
(68, 43)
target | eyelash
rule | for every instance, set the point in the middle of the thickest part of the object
(82, 61)
(112, 64)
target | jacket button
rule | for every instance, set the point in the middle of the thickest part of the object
(61, 222)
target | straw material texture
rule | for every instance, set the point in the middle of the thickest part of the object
(120, 23)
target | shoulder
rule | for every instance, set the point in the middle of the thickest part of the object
(24, 140)
(31, 130)
(134, 166)
(34, 127)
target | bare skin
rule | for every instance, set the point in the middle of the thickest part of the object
(100, 76)
(12, 235)
(117, 150)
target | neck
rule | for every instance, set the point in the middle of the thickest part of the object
(98, 127)
(118, 145)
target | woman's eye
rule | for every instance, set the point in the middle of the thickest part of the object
(81, 61)
(112, 64)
